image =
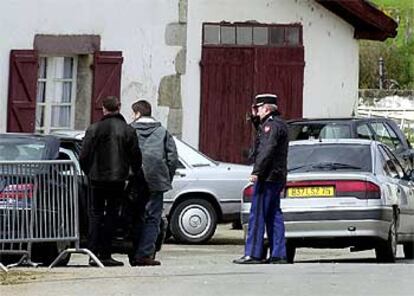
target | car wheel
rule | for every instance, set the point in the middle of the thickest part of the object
(290, 252)
(46, 253)
(193, 221)
(386, 251)
(409, 250)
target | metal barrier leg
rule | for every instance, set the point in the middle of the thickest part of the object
(24, 260)
(76, 251)
(4, 268)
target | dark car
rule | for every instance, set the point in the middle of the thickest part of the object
(30, 147)
(17, 185)
(380, 129)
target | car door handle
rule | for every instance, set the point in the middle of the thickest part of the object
(180, 174)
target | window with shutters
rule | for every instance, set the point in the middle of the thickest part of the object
(50, 92)
(56, 93)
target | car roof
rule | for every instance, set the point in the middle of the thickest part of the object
(333, 141)
(335, 119)
(69, 134)
(25, 136)
(51, 143)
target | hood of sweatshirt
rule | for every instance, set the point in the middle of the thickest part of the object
(146, 126)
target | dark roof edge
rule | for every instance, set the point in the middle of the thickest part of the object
(369, 22)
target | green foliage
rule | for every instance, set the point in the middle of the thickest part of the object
(398, 53)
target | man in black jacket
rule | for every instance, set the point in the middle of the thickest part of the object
(109, 150)
(269, 178)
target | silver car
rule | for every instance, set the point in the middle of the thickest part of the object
(346, 193)
(205, 192)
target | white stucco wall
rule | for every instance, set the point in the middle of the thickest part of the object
(331, 53)
(135, 27)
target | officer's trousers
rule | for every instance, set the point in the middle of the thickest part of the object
(265, 213)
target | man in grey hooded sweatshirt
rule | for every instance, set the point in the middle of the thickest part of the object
(159, 160)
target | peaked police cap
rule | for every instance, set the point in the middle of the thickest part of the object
(262, 99)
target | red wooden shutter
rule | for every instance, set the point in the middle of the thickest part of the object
(106, 79)
(21, 112)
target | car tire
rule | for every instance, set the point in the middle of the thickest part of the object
(408, 250)
(290, 252)
(46, 253)
(193, 221)
(386, 251)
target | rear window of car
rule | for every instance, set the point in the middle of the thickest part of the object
(329, 157)
(317, 130)
(21, 150)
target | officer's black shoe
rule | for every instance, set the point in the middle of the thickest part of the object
(106, 262)
(247, 260)
(277, 260)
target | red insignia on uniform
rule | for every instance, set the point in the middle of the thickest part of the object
(267, 129)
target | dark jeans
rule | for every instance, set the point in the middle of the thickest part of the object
(148, 230)
(104, 200)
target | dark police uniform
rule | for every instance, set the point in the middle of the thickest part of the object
(270, 165)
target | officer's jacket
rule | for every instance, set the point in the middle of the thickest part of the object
(270, 153)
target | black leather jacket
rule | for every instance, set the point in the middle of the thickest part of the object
(110, 149)
(271, 148)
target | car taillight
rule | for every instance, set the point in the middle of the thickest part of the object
(248, 193)
(17, 191)
(342, 188)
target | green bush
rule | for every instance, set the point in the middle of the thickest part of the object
(398, 53)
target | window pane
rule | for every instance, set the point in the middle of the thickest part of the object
(277, 35)
(68, 68)
(66, 92)
(306, 158)
(292, 35)
(41, 92)
(228, 35)
(42, 67)
(64, 67)
(244, 35)
(260, 35)
(40, 117)
(364, 132)
(396, 141)
(63, 92)
(61, 116)
(211, 34)
(382, 134)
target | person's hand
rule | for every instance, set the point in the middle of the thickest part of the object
(253, 178)
(254, 110)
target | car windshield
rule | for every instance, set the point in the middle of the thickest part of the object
(191, 156)
(329, 157)
(21, 149)
(317, 130)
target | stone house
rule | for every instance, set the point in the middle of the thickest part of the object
(199, 62)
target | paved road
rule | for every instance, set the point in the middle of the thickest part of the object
(207, 270)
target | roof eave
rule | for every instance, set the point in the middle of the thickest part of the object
(369, 22)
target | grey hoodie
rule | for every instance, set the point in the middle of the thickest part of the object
(159, 153)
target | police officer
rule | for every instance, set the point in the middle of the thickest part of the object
(269, 178)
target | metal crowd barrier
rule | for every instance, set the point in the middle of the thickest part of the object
(39, 204)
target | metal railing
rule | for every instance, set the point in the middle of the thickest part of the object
(39, 204)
